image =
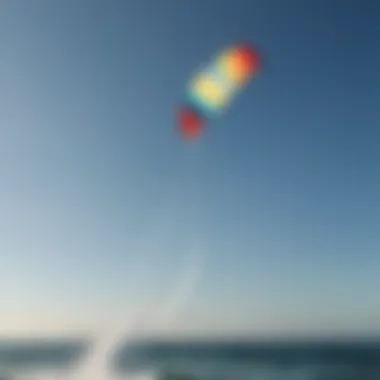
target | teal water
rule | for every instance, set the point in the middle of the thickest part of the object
(206, 361)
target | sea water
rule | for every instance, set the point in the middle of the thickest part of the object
(202, 361)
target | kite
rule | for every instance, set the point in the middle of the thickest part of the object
(214, 88)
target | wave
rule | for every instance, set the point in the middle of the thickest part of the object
(253, 372)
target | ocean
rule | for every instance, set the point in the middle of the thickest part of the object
(204, 361)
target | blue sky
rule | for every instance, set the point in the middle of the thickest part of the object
(101, 203)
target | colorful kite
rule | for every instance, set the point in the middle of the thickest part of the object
(214, 88)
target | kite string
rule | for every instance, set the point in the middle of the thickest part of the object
(172, 304)
(193, 260)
